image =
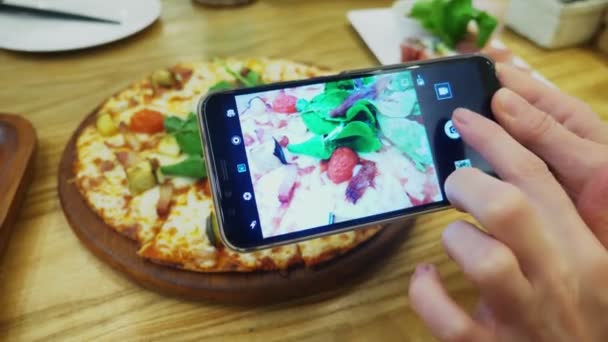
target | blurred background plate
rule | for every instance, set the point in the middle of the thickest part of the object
(33, 33)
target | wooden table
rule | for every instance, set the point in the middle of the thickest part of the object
(52, 287)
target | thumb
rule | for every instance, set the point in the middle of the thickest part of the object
(592, 204)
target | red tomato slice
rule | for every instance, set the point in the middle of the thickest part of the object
(284, 103)
(147, 121)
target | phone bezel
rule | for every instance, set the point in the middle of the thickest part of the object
(210, 160)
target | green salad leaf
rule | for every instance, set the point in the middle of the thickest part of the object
(250, 79)
(323, 103)
(363, 110)
(449, 20)
(409, 137)
(317, 147)
(340, 85)
(221, 85)
(244, 78)
(358, 136)
(189, 142)
(317, 124)
(187, 135)
(193, 166)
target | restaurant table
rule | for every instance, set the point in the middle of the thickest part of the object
(51, 286)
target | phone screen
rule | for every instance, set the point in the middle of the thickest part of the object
(313, 157)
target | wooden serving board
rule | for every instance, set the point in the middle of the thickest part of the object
(17, 150)
(232, 287)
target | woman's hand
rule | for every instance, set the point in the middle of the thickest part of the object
(542, 266)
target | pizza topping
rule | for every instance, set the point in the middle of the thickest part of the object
(192, 166)
(182, 74)
(342, 115)
(127, 158)
(278, 149)
(106, 165)
(164, 199)
(105, 125)
(163, 78)
(147, 121)
(284, 103)
(140, 177)
(212, 230)
(361, 181)
(288, 184)
(244, 78)
(186, 133)
(341, 165)
(131, 139)
(168, 146)
(186, 139)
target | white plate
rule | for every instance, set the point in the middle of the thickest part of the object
(22, 32)
(378, 29)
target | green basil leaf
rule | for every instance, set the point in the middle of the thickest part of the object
(327, 101)
(173, 124)
(193, 167)
(302, 105)
(359, 136)
(189, 142)
(397, 104)
(363, 110)
(363, 144)
(221, 85)
(191, 123)
(250, 80)
(186, 133)
(316, 124)
(340, 85)
(315, 147)
(353, 129)
(409, 137)
(253, 78)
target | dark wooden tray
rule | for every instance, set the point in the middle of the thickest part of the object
(242, 288)
(17, 150)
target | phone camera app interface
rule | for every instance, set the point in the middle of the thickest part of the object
(327, 153)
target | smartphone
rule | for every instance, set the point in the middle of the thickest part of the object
(298, 160)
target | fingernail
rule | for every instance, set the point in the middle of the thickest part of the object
(508, 103)
(462, 116)
(500, 68)
(422, 269)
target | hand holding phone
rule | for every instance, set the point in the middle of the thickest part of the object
(297, 160)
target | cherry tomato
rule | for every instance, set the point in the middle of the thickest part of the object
(147, 121)
(341, 164)
(284, 103)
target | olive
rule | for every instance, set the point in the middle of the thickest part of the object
(163, 78)
(212, 230)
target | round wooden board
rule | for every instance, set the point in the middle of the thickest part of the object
(232, 287)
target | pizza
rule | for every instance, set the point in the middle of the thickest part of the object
(139, 166)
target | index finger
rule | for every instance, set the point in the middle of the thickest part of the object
(574, 114)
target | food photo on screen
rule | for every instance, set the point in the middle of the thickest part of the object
(333, 152)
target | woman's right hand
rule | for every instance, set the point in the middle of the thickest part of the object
(542, 266)
(564, 132)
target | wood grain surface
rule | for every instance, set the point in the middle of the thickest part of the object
(52, 287)
(243, 288)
